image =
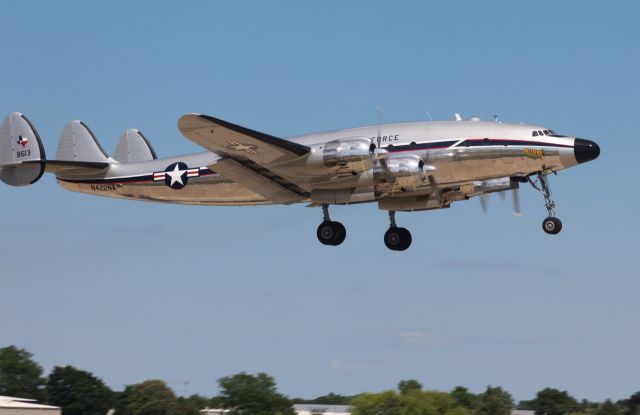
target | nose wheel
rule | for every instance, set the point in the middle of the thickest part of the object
(330, 232)
(395, 238)
(551, 225)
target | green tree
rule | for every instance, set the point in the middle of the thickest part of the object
(383, 403)
(329, 399)
(20, 376)
(408, 386)
(77, 391)
(608, 408)
(464, 398)
(412, 403)
(551, 401)
(253, 395)
(151, 397)
(633, 404)
(494, 401)
(191, 405)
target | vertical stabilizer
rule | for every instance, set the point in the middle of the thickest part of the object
(134, 147)
(21, 151)
(78, 143)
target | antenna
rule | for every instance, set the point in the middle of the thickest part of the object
(429, 115)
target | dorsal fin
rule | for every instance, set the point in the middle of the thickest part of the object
(134, 147)
(78, 143)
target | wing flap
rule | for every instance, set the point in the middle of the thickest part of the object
(232, 140)
(271, 187)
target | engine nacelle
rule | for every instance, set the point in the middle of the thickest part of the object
(348, 155)
(495, 185)
(402, 172)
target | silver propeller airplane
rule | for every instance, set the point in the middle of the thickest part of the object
(402, 167)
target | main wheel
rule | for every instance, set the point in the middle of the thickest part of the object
(397, 239)
(552, 225)
(340, 233)
(331, 233)
(406, 239)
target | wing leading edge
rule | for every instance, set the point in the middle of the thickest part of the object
(227, 139)
(247, 155)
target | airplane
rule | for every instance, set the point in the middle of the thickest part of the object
(403, 167)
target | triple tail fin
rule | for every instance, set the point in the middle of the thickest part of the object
(134, 147)
(22, 157)
(78, 143)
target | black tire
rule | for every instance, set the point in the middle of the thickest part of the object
(397, 239)
(340, 233)
(331, 233)
(326, 232)
(552, 225)
(405, 238)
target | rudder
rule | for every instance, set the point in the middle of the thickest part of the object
(134, 147)
(78, 143)
(22, 156)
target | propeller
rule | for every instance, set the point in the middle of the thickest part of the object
(379, 120)
(515, 193)
(516, 202)
(484, 202)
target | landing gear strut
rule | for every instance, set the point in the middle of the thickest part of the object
(396, 239)
(551, 225)
(330, 232)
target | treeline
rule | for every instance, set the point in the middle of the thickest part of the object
(79, 392)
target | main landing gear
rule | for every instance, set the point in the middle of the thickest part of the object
(330, 232)
(551, 225)
(333, 233)
(396, 239)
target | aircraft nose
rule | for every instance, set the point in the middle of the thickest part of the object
(585, 150)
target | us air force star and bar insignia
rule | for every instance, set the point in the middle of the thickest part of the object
(176, 176)
(247, 148)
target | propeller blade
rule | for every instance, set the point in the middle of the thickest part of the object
(435, 190)
(484, 202)
(379, 119)
(516, 202)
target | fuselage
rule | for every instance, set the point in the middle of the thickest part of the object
(457, 154)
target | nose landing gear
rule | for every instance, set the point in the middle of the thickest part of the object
(551, 225)
(395, 238)
(330, 232)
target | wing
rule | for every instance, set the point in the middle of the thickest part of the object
(232, 140)
(247, 155)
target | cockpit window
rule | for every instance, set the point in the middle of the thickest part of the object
(535, 134)
(547, 132)
(554, 134)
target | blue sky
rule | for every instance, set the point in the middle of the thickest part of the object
(133, 291)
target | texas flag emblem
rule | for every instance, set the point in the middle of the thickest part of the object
(23, 141)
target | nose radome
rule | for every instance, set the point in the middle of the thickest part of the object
(585, 150)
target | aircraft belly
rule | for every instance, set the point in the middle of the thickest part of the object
(198, 192)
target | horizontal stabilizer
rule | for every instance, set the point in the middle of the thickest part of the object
(67, 167)
(21, 151)
(134, 147)
(78, 143)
